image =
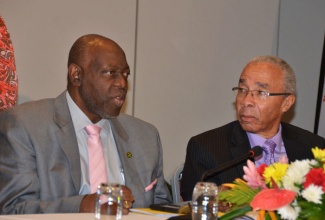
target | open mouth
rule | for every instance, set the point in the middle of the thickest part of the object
(119, 100)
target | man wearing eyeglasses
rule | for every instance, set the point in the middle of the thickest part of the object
(265, 91)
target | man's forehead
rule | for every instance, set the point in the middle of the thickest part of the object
(108, 56)
(256, 83)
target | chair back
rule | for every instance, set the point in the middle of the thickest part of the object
(175, 183)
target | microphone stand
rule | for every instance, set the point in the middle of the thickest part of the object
(254, 152)
(209, 173)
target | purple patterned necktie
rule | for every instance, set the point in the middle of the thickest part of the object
(269, 148)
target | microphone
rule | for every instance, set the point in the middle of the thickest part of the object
(254, 152)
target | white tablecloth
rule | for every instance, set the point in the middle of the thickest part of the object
(78, 216)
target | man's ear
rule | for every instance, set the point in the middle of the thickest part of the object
(288, 102)
(74, 74)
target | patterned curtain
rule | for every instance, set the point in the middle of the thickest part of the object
(8, 76)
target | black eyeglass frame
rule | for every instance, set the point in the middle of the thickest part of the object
(267, 93)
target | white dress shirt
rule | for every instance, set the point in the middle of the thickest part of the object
(113, 162)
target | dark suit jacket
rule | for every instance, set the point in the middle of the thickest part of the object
(40, 163)
(214, 148)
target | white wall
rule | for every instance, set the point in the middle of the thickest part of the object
(301, 37)
(189, 56)
(185, 55)
(43, 32)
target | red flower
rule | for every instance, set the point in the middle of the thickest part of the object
(315, 176)
(272, 199)
(261, 169)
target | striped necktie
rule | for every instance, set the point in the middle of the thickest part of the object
(269, 148)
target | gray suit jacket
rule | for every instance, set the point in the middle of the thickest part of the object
(40, 165)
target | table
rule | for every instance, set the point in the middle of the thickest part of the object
(78, 216)
(151, 215)
(135, 214)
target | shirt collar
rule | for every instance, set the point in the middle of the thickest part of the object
(257, 140)
(80, 120)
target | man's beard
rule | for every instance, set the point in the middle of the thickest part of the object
(92, 106)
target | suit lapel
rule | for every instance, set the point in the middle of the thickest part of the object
(67, 139)
(121, 137)
(240, 145)
(290, 143)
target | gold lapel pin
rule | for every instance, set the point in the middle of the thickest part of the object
(128, 154)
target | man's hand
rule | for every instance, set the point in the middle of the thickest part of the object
(128, 200)
(88, 203)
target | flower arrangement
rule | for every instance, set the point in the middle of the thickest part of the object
(280, 190)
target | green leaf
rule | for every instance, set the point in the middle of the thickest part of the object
(240, 194)
(236, 213)
(310, 210)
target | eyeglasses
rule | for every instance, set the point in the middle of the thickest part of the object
(256, 94)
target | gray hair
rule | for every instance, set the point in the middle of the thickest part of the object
(288, 73)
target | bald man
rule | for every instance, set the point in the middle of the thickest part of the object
(43, 144)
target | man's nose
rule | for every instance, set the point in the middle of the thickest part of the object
(248, 99)
(120, 80)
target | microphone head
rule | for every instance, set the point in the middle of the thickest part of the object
(256, 151)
